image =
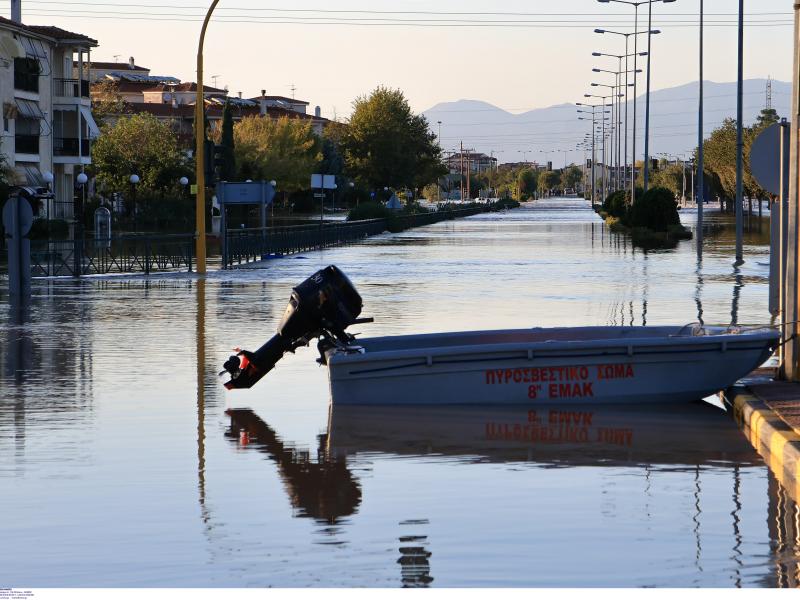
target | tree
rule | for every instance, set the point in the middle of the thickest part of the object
(139, 144)
(526, 183)
(571, 177)
(285, 150)
(228, 143)
(385, 144)
(672, 177)
(720, 159)
(5, 179)
(548, 180)
(767, 117)
(107, 102)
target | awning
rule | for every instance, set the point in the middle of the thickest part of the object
(33, 175)
(33, 48)
(29, 109)
(10, 47)
(94, 130)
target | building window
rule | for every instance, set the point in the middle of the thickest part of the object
(5, 124)
(26, 74)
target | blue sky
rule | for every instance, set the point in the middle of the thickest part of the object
(511, 66)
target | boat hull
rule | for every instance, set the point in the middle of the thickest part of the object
(545, 366)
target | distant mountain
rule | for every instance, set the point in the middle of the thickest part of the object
(673, 121)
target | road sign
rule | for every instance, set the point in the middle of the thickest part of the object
(765, 159)
(17, 217)
(253, 192)
(323, 182)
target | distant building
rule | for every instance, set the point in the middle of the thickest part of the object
(99, 71)
(298, 106)
(47, 124)
(475, 162)
(179, 93)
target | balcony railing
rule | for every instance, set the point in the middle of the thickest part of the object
(70, 88)
(26, 144)
(69, 147)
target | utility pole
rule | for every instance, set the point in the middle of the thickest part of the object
(791, 331)
(739, 140)
(700, 195)
(461, 170)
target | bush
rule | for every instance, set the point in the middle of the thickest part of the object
(656, 210)
(616, 204)
(54, 229)
(503, 203)
(370, 210)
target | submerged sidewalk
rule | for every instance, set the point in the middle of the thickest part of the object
(768, 412)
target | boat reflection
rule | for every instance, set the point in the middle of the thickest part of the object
(324, 490)
(692, 434)
(689, 436)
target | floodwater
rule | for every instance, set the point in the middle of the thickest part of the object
(119, 466)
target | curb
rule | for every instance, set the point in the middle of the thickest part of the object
(776, 441)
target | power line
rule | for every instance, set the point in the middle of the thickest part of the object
(368, 22)
(379, 12)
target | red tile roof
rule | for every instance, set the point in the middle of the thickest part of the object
(61, 34)
(56, 33)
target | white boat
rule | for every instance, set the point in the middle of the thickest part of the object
(568, 365)
(576, 365)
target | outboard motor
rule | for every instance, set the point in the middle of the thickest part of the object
(323, 306)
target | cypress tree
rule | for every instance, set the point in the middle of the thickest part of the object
(228, 170)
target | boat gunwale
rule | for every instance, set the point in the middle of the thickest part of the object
(541, 349)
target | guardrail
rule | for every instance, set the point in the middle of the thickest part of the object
(246, 245)
(120, 254)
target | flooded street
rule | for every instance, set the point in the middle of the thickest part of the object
(120, 468)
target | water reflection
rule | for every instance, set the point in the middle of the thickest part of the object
(324, 490)
(691, 434)
(113, 445)
(784, 529)
(415, 558)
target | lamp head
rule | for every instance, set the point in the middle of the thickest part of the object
(134, 179)
(81, 178)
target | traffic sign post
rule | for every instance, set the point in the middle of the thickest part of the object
(769, 164)
(17, 222)
(247, 192)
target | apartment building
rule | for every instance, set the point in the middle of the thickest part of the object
(47, 121)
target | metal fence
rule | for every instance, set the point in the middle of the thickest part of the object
(120, 254)
(246, 245)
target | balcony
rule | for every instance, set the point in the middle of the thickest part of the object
(70, 88)
(69, 147)
(26, 144)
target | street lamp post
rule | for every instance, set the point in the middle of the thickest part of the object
(594, 135)
(77, 253)
(199, 166)
(622, 162)
(134, 179)
(636, 33)
(650, 32)
(603, 138)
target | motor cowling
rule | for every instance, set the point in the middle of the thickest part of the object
(324, 305)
